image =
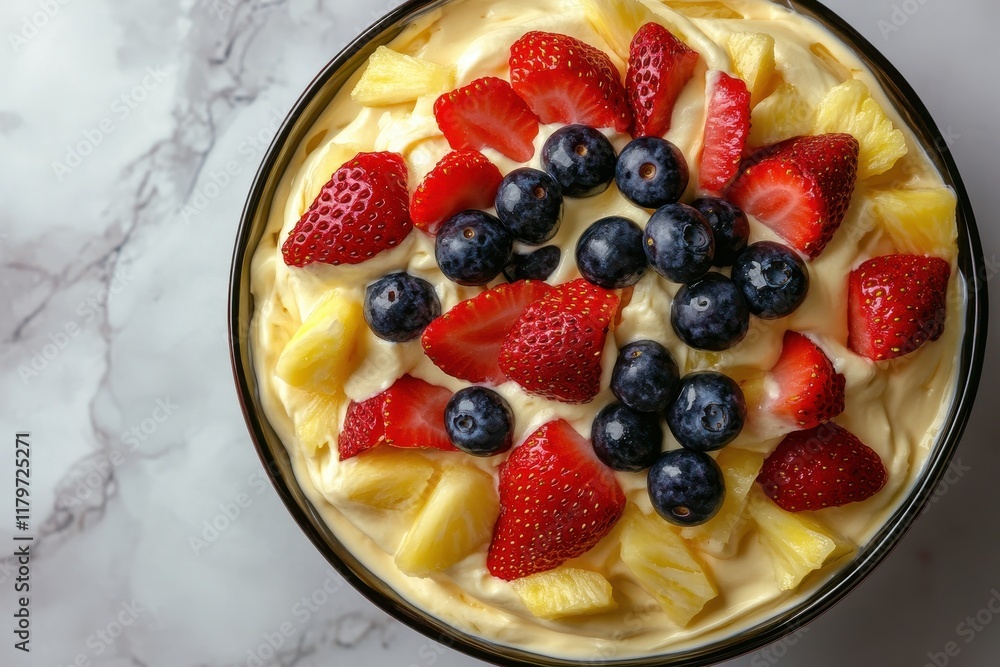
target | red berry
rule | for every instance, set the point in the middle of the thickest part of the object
(659, 66)
(807, 390)
(557, 501)
(461, 180)
(564, 80)
(363, 210)
(826, 466)
(726, 130)
(895, 304)
(554, 349)
(800, 188)
(487, 113)
(465, 342)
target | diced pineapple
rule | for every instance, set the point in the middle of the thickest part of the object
(703, 9)
(753, 59)
(565, 592)
(617, 21)
(739, 469)
(458, 517)
(850, 108)
(325, 349)
(332, 157)
(919, 221)
(797, 543)
(783, 114)
(394, 78)
(315, 424)
(387, 478)
(665, 566)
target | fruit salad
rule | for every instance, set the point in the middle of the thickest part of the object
(608, 328)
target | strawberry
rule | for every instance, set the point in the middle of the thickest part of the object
(895, 304)
(659, 66)
(461, 180)
(557, 501)
(487, 113)
(809, 391)
(565, 80)
(363, 210)
(554, 349)
(465, 341)
(826, 466)
(726, 130)
(800, 188)
(410, 413)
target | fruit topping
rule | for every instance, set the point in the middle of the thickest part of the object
(752, 54)
(530, 203)
(399, 306)
(388, 479)
(730, 228)
(487, 113)
(659, 66)
(679, 243)
(462, 180)
(565, 592)
(720, 535)
(645, 377)
(610, 253)
(651, 172)
(626, 439)
(709, 411)
(710, 314)
(473, 247)
(536, 265)
(394, 78)
(727, 127)
(686, 487)
(479, 421)
(772, 278)
(580, 159)
(806, 390)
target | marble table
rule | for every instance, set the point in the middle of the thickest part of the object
(129, 134)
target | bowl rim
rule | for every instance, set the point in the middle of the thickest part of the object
(276, 461)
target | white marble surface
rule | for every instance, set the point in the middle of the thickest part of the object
(114, 353)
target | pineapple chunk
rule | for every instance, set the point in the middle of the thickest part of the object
(703, 9)
(565, 592)
(387, 478)
(665, 566)
(797, 543)
(394, 78)
(783, 114)
(753, 59)
(850, 108)
(739, 469)
(332, 157)
(457, 518)
(315, 424)
(617, 21)
(325, 349)
(919, 221)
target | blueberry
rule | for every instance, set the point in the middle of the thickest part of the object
(709, 411)
(625, 439)
(473, 247)
(772, 278)
(398, 306)
(609, 253)
(679, 243)
(686, 488)
(645, 376)
(651, 172)
(479, 421)
(729, 227)
(581, 159)
(537, 265)
(530, 202)
(710, 314)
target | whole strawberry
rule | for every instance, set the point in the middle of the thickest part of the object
(826, 466)
(361, 211)
(557, 501)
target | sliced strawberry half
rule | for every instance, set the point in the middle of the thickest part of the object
(565, 80)
(465, 342)
(826, 466)
(363, 210)
(806, 389)
(557, 501)
(554, 349)
(800, 188)
(487, 113)
(896, 303)
(410, 413)
(726, 130)
(461, 180)
(659, 66)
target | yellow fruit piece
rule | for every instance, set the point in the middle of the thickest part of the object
(316, 423)
(783, 114)
(457, 519)
(665, 566)
(797, 543)
(387, 478)
(325, 349)
(617, 21)
(850, 108)
(739, 469)
(703, 9)
(565, 592)
(394, 78)
(921, 222)
(752, 54)
(331, 157)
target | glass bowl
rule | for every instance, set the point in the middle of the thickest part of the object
(276, 460)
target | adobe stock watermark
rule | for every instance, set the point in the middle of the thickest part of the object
(229, 511)
(104, 638)
(900, 16)
(773, 653)
(966, 631)
(121, 108)
(33, 23)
